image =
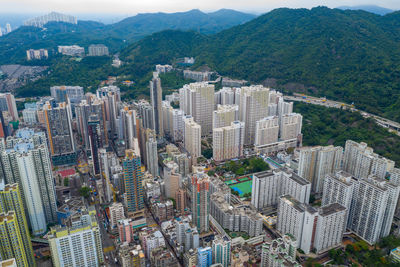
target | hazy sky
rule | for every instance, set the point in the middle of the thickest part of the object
(140, 6)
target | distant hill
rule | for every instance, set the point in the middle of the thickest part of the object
(369, 8)
(144, 24)
(348, 55)
(116, 35)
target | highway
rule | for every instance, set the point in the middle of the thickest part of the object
(394, 126)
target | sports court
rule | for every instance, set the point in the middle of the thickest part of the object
(241, 185)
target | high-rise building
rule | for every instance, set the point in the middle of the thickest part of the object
(372, 209)
(145, 111)
(78, 243)
(197, 100)
(253, 107)
(128, 126)
(201, 201)
(156, 98)
(298, 220)
(71, 50)
(152, 157)
(171, 179)
(192, 136)
(227, 96)
(317, 162)
(58, 122)
(267, 131)
(75, 94)
(11, 200)
(173, 122)
(116, 213)
(225, 115)
(338, 188)
(98, 50)
(361, 161)
(221, 251)
(331, 225)
(290, 126)
(228, 141)
(180, 198)
(8, 28)
(111, 95)
(279, 252)
(95, 143)
(268, 186)
(204, 257)
(133, 176)
(11, 241)
(26, 162)
(53, 16)
(37, 54)
(7, 103)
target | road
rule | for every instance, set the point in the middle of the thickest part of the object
(395, 126)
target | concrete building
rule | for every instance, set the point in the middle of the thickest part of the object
(204, 257)
(75, 94)
(37, 54)
(197, 100)
(51, 17)
(133, 176)
(78, 243)
(290, 126)
(71, 50)
(225, 115)
(58, 122)
(267, 131)
(201, 201)
(317, 162)
(180, 198)
(7, 103)
(360, 161)
(155, 100)
(173, 122)
(331, 224)
(11, 201)
(372, 210)
(297, 219)
(152, 157)
(25, 160)
(151, 239)
(198, 76)
(221, 250)
(116, 214)
(227, 96)
(235, 218)
(98, 50)
(11, 242)
(228, 141)
(172, 179)
(268, 186)
(192, 137)
(253, 107)
(279, 252)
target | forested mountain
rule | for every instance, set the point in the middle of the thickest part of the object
(369, 8)
(348, 55)
(116, 35)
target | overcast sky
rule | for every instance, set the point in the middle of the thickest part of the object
(140, 6)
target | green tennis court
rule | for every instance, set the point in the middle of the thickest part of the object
(230, 182)
(242, 188)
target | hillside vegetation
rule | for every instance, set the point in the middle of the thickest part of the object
(331, 126)
(349, 55)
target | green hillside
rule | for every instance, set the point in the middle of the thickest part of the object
(348, 55)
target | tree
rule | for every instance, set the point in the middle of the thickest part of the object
(207, 153)
(84, 191)
(66, 181)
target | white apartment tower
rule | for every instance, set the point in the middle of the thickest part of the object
(156, 98)
(192, 136)
(267, 131)
(228, 141)
(197, 100)
(290, 126)
(253, 107)
(268, 186)
(152, 157)
(361, 161)
(225, 115)
(316, 162)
